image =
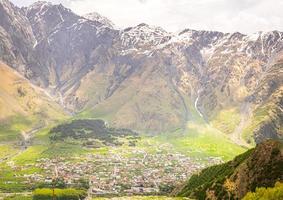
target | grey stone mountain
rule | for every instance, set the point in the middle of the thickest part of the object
(144, 77)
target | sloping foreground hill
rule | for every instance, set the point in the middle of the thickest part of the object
(258, 167)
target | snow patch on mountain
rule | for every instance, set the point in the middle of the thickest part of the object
(99, 18)
(144, 36)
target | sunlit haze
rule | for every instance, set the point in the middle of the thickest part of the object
(245, 16)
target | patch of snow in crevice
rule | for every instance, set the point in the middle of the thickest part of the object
(176, 39)
(253, 37)
(207, 52)
(35, 44)
(196, 104)
(60, 14)
(227, 51)
(61, 99)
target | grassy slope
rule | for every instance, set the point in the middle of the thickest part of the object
(227, 120)
(6, 150)
(136, 104)
(23, 106)
(202, 140)
(269, 112)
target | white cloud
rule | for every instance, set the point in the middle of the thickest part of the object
(224, 15)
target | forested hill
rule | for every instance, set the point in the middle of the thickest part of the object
(258, 167)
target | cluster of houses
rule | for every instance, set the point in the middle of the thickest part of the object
(141, 173)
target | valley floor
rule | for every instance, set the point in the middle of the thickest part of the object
(143, 198)
(153, 165)
(28, 197)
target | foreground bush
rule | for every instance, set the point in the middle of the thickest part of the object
(60, 194)
(275, 193)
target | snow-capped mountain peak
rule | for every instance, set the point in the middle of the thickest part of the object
(144, 35)
(99, 18)
(39, 4)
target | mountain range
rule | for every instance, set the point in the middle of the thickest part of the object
(141, 78)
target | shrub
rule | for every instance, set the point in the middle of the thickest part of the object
(275, 193)
(59, 194)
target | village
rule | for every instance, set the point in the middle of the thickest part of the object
(139, 173)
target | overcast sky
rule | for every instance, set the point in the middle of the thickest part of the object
(245, 16)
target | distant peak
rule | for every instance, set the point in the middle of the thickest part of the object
(237, 35)
(192, 31)
(94, 16)
(143, 24)
(187, 30)
(147, 28)
(40, 3)
(44, 5)
(39, 6)
(144, 35)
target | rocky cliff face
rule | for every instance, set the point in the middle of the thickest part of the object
(16, 37)
(142, 77)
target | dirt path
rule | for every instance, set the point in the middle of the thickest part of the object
(26, 136)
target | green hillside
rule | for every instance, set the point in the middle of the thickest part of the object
(24, 108)
(257, 167)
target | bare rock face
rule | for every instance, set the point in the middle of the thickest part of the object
(16, 37)
(67, 45)
(142, 77)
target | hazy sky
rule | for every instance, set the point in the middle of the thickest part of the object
(245, 16)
